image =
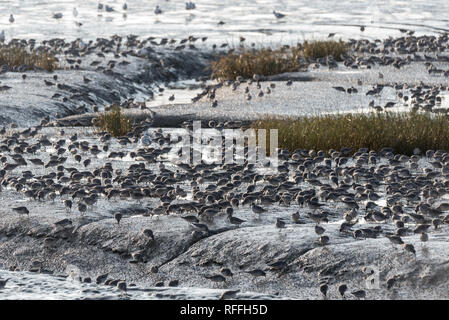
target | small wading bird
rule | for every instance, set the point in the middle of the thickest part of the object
(278, 14)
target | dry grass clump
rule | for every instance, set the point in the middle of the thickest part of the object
(401, 131)
(323, 48)
(16, 56)
(267, 62)
(114, 122)
(264, 62)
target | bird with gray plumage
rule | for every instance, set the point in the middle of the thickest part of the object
(118, 217)
(21, 210)
(257, 209)
(121, 285)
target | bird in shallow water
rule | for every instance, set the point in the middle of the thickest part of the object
(157, 10)
(11, 18)
(278, 14)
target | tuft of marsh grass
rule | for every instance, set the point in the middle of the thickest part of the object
(267, 62)
(114, 122)
(16, 56)
(401, 131)
(264, 62)
(322, 48)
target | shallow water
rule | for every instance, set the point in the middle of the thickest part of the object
(24, 285)
(252, 19)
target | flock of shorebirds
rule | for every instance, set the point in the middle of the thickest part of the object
(333, 185)
(338, 185)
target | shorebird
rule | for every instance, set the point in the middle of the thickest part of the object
(121, 285)
(118, 217)
(3, 37)
(409, 247)
(75, 12)
(257, 209)
(157, 10)
(280, 224)
(226, 272)
(342, 290)
(395, 239)
(57, 15)
(3, 283)
(82, 208)
(216, 278)
(11, 18)
(257, 273)
(190, 5)
(295, 217)
(424, 237)
(63, 223)
(319, 230)
(323, 290)
(359, 294)
(323, 240)
(278, 14)
(235, 220)
(148, 233)
(21, 210)
(125, 6)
